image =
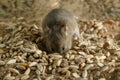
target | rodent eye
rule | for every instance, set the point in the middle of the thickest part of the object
(52, 50)
(63, 25)
(63, 48)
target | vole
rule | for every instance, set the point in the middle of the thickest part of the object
(59, 27)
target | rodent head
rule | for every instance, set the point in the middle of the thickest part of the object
(59, 26)
(57, 38)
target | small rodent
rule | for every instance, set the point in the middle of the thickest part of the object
(59, 27)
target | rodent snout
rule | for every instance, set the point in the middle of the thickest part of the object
(58, 49)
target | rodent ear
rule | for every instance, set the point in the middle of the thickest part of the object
(47, 30)
(64, 28)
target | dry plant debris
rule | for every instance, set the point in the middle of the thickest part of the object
(93, 57)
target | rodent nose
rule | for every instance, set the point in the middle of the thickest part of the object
(62, 50)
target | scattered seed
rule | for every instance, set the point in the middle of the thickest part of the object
(11, 61)
(32, 64)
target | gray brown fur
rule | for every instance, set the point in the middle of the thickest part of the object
(59, 27)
